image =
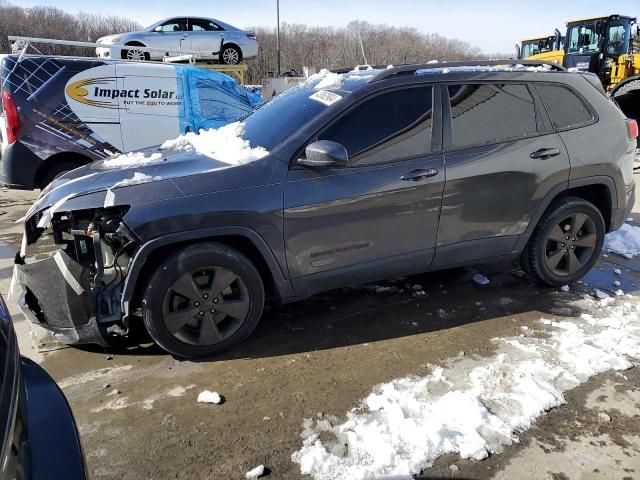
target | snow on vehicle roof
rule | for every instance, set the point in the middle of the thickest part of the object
(497, 68)
(326, 79)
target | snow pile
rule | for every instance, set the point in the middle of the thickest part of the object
(255, 473)
(224, 144)
(133, 159)
(625, 241)
(136, 179)
(481, 279)
(474, 406)
(209, 397)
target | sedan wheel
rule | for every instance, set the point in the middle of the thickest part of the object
(135, 54)
(230, 56)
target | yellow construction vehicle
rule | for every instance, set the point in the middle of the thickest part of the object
(539, 45)
(604, 46)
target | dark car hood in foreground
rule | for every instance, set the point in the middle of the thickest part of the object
(104, 175)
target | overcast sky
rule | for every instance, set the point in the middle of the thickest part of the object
(493, 25)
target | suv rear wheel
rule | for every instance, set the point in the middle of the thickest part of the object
(566, 243)
(203, 300)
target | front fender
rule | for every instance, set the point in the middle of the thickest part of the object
(281, 282)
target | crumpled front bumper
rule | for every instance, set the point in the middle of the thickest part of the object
(55, 294)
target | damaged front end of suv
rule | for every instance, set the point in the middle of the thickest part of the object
(75, 290)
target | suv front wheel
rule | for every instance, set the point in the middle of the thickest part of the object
(566, 242)
(203, 300)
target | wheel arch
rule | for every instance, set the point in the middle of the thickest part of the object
(242, 239)
(624, 82)
(234, 45)
(600, 190)
(73, 157)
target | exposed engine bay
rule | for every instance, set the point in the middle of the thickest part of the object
(87, 266)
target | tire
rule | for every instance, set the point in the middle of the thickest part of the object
(193, 323)
(135, 54)
(57, 170)
(230, 55)
(555, 260)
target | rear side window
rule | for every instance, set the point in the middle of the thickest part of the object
(565, 108)
(488, 113)
(390, 126)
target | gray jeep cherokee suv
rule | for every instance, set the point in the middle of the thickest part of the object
(350, 177)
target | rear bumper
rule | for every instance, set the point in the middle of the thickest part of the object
(55, 294)
(18, 167)
(619, 215)
(249, 50)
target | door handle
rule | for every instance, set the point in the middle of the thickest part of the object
(545, 153)
(419, 174)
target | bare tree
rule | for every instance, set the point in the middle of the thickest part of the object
(329, 47)
(52, 22)
(301, 45)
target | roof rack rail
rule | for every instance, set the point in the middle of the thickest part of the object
(409, 69)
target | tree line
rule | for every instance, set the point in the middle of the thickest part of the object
(356, 44)
(52, 22)
(300, 45)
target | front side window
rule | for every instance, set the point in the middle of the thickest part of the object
(175, 25)
(388, 127)
(485, 114)
(564, 107)
(583, 39)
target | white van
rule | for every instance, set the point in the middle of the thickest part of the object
(62, 112)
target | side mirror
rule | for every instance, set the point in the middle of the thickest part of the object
(158, 28)
(324, 153)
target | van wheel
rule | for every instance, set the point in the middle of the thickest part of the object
(135, 54)
(57, 170)
(202, 300)
(567, 242)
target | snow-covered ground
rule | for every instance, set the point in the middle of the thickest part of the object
(474, 406)
(471, 406)
(625, 242)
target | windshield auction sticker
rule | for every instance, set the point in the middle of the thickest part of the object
(326, 97)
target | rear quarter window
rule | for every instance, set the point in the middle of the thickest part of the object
(565, 108)
(491, 113)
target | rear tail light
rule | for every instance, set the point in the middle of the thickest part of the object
(251, 36)
(632, 129)
(11, 119)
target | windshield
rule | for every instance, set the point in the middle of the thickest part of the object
(583, 39)
(618, 39)
(529, 49)
(276, 120)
